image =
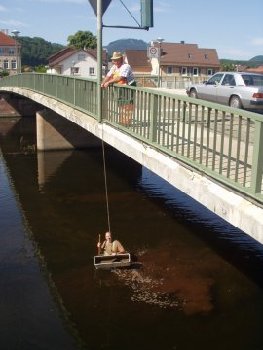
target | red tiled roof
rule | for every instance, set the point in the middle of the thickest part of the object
(258, 69)
(6, 40)
(138, 60)
(59, 56)
(188, 55)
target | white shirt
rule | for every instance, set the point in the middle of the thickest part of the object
(123, 71)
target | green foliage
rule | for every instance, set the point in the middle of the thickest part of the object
(82, 40)
(36, 51)
(41, 69)
(228, 67)
(3, 73)
(228, 64)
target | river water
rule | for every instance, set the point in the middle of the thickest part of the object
(199, 286)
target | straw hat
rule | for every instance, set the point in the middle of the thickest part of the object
(116, 55)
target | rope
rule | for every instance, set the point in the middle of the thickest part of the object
(130, 13)
(105, 182)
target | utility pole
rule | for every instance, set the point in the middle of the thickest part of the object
(99, 57)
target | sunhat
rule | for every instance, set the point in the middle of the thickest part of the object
(116, 55)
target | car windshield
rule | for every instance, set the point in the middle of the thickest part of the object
(214, 79)
(253, 80)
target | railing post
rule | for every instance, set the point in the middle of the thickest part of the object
(257, 161)
(74, 92)
(153, 118)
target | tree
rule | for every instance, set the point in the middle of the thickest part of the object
(228, 67)
(35, 51)
(82, 40)
(3, 73)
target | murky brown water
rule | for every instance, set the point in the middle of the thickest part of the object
(200, 285)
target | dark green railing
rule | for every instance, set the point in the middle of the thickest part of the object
(224, 143)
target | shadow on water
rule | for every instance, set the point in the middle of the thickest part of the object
(232, 244)
(200, 284)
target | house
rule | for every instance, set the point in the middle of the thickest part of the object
(179, 63)
(258, 69)
(71, 61)
(10, 53)
(185, 60)
(139, 61)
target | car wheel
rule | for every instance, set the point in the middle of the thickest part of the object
(235, 102)
(193, 93)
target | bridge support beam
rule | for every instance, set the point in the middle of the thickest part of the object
(56, 133)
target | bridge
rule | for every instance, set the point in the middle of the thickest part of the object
(211, 152)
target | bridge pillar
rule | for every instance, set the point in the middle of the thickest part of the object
(12, 105)
(57, 133)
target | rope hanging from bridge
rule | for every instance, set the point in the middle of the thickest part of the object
(105, 182)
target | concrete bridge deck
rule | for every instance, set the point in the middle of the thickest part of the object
(166, 131)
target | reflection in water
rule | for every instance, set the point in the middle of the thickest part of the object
(48, 164)
(200, 284)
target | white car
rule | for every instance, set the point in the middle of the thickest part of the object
(235, 89)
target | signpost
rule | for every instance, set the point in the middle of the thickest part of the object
(104, 6)
(153, 52)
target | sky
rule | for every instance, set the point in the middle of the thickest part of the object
(233, 27)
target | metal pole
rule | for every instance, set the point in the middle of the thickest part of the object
(19, 58)
(159, 41)
(17, 64)
(159, 70)
(99, 58)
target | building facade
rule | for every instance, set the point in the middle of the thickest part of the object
(70, 61)
(10, 54)
(185, 60)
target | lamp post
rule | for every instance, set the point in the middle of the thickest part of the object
(18, 65)
(159, 41)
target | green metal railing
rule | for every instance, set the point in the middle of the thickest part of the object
(224, 143)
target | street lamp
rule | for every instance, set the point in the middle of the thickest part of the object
(159, 41)
(18, 65)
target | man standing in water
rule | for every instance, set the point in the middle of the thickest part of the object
(110, 248)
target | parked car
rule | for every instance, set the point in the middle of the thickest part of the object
(235, 89)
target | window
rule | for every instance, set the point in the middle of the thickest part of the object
(184, 71)
(6, 64)
(169, 70)
(1, 51)
(215, 79)
(11, 51)
(189, 55)
(74, 70)
(13, 64)
(210, 71)
(229, 80)
(91, 71)
(195, 71)
(206, 56)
